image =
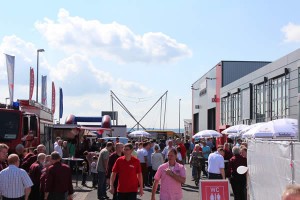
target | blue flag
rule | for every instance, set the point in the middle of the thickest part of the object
(61, 104)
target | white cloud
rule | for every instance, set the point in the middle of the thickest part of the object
(23, 52)
(76, 74)
(79, 76)
(110, 41)
(291, 32)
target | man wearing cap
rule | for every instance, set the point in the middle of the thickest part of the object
(15, 183)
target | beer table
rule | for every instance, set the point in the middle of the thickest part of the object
(76, 160)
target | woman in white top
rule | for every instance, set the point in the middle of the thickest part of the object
(156, 159)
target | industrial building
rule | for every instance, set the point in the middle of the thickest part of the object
(246, 92)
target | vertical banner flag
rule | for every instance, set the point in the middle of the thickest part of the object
(53, 98)
(31, 83)
(44, 90)
(61, 104)
(10, 64)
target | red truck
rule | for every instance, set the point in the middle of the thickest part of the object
(26, 122)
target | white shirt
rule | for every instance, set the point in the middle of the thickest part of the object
(59, 150)
(215, 163)
(94, 167)
(55, 143)
(141, 154)
(156, 160)
(14, 181)
(166, 150)
(179, 157)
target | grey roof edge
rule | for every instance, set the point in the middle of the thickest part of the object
(221, 61)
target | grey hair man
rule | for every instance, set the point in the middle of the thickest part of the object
(291, 192)
(16, 177)
(35, 172)
(237, 181)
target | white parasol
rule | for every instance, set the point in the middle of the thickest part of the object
(207, 134)
(234, 131)
(287, 128)
(139, 134)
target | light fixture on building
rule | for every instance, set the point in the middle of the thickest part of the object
(192, 87)
(209, 78)
(286, 71)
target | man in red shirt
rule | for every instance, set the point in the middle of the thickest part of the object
(238, 181)
(30, 158)
(35, 172)
(182, 149)
(58, 180)
(130, 175)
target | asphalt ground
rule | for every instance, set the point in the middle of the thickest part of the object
(190, 190)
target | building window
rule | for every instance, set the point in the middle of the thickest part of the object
(225, 110)
(231, 109)
(279, 97)
(236, 108)
(260, 102)
(299, 80)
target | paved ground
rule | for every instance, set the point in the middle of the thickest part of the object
(190, 191)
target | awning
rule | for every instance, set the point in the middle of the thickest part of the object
(99, 130)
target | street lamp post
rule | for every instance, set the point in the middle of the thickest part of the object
(179, 116)
(37, 74)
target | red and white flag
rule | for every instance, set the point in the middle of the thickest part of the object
(44, 90)
(31, 83)
(10, 64)
(53, 98)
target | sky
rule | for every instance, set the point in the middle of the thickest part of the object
(137, 49)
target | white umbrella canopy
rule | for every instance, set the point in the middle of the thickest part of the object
(244, 132)
(207, 134)
(139, 134)
(274, 129)
(284, 121)
(234, 131)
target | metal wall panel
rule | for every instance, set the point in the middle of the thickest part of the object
(272, 70)
(204, 90)
(233, 70)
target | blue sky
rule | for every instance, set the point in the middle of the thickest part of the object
(138, 49)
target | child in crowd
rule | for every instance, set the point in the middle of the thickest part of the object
(84, 173)
(94, 171)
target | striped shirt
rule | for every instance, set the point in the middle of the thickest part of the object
(14, 181)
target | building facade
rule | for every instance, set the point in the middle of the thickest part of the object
(188, 128)
(243, 92)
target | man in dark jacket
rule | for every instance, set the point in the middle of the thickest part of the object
(237, 181)
(35, 172)
(30, 159)
(58, 184)
(111, 161)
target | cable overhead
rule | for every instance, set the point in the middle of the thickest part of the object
(138, 122)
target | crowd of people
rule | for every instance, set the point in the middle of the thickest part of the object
(130, 168)
(33, 175)
(126, 169)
